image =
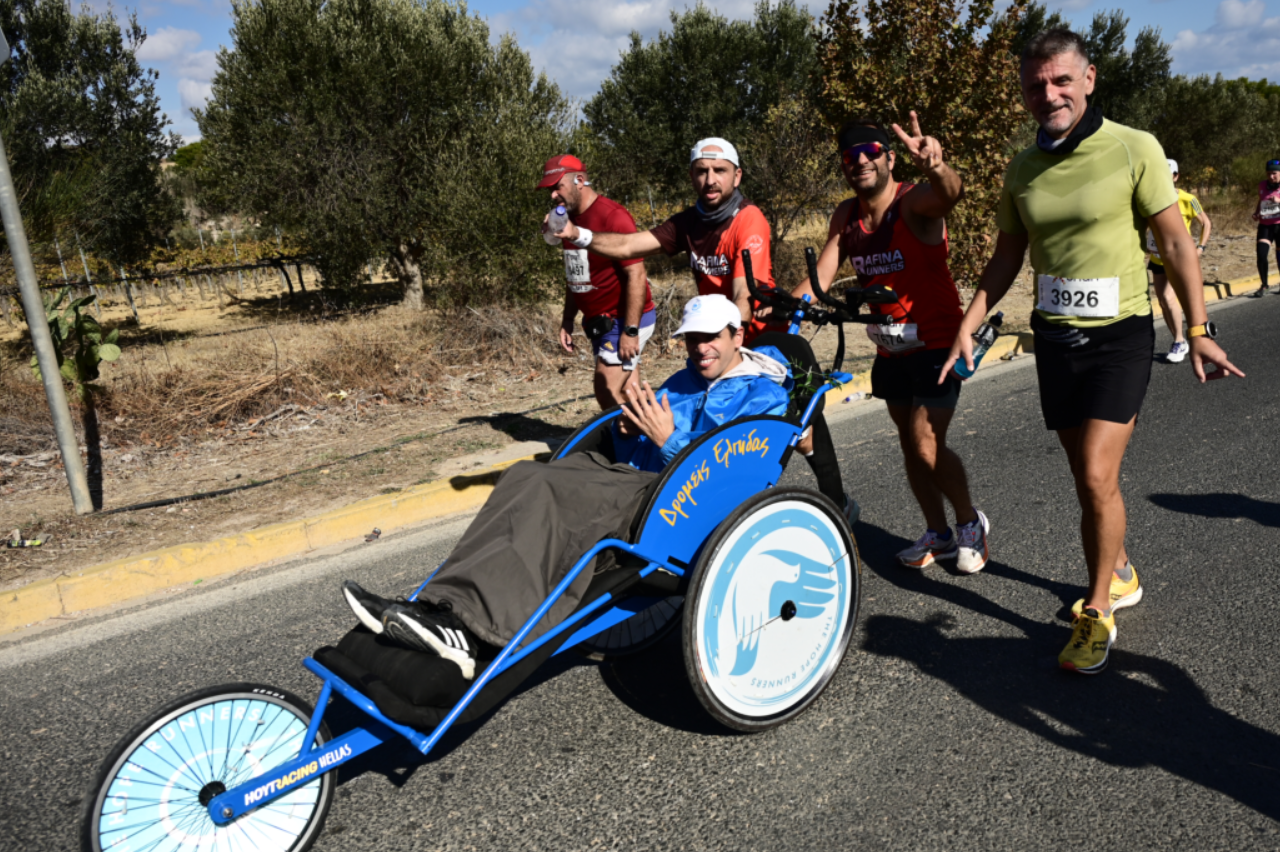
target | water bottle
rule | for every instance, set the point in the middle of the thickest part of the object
(555, 223)
(982, 340)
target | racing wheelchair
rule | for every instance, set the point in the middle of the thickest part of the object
(765, 591)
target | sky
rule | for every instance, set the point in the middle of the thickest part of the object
(577, 42)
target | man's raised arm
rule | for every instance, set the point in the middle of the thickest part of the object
(613, 246)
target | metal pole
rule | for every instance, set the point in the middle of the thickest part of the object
(128, 291)
(97, 309)
(33, 306)
(239, 278)
(60, 263)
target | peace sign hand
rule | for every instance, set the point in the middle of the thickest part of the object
(925, 151)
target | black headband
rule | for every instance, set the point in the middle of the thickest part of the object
(859, 134)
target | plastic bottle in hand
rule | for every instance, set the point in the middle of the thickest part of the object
(982, 340)
(555, 223)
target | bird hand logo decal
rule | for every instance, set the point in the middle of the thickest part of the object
(771, 586)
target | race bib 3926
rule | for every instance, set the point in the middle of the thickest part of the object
(1078, 297)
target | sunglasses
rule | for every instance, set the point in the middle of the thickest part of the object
(872, 150)
(1273, 165)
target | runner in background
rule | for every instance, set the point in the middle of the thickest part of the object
(715, 231)
(612, 295)
(895, 235)
(1267, 215)
(1191, 211)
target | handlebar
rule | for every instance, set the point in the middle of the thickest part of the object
(830, 310)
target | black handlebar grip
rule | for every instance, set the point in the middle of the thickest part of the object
(811, 260)
(750, 276)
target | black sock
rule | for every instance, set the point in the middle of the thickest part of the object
(1263, 250)
(823, 461)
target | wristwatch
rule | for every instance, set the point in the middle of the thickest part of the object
(632, 331)
(1205, 329)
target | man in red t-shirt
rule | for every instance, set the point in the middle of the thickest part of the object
(895, 234)
(613, 295)
(714, 232)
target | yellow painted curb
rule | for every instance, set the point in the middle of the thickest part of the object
(137, 576)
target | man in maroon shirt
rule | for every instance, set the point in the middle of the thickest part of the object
(613, 295)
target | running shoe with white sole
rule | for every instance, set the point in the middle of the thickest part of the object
(368, 607)
(433, 628)
(928, 549)
(1123, 593)
(971, 556)
(1178, 351)
(1091, 641)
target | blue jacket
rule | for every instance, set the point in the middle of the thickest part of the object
(756, 386)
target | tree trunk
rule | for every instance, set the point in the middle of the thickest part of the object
(410, 278)
(93, 449)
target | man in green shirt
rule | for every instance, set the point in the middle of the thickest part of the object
(1081, 199)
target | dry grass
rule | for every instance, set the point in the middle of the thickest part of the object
(165, 391)
(1229, 211)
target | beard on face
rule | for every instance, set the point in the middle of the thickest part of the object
(882, 172)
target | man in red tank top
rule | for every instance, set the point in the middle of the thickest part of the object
(613, 295)
(895, 235)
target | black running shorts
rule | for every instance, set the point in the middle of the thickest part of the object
(912, 379)
(1093, 373)
(1270, 233)
(1157, 268)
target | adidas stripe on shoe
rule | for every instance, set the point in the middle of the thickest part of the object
(434, 629)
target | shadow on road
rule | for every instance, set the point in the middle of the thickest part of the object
(1221, 506)
(1142, 712)
(654, 684)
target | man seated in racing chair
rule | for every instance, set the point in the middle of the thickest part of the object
(541, 518)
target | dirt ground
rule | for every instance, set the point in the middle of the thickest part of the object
(311, 456)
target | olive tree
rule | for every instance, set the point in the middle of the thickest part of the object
(386, 129)
(83, 128)
(750, 82)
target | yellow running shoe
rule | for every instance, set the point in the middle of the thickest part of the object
(1090, 643)
(1122, 594)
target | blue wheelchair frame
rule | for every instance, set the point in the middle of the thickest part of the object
(746, 455)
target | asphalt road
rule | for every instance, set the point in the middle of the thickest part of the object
(948, 727)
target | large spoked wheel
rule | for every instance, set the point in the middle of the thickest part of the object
(642, 630)
(772, 605)
(152, 791)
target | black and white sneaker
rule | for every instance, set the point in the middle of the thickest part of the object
(369, 608)
(433, 628)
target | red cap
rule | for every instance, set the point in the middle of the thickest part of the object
(555, 168)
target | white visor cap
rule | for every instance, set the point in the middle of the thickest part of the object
(1173, 167)
(708, 315)
(726, 152)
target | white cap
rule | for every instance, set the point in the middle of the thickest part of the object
(1173, 167)
(709, 315)
(726, 152)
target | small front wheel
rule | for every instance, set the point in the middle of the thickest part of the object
(773, 603)
(153, 790)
